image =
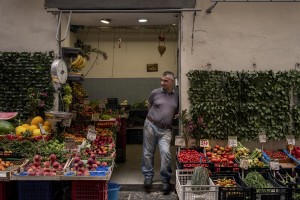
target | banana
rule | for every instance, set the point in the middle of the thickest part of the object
(78, 63)
(82, 64)
(77, 60)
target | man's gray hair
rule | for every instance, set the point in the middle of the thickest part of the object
(168, 73)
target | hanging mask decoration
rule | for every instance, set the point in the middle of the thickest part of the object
(161, 48)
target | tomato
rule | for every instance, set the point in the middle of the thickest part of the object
(231, 157)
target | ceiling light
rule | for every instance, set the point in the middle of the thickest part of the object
(143, 20)
(105, 21)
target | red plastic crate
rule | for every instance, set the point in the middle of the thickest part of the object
(91, 190)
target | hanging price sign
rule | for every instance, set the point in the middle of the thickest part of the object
(290, 139)
(67, 122)
(232, 141)
(204, 143)
(179, 141)
(95, 117)
(262, 138)
(274, 165)
(244, 163)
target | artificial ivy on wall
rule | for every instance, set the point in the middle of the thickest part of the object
(246, 103)
(25, 81)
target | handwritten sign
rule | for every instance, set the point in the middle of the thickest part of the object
(262, 138)
(244, 163)
(274, 165)
(91, 135)
(204, 143)
(179, 141)
(70, 143)
(232, 141)
(290, 139)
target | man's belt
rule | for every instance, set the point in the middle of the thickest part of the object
(159, 125)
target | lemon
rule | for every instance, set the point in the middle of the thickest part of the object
(33, 127)
(47, 129)
(37, 120)
(25, 126)
(47, 123)
(36, 132)
(20, 130)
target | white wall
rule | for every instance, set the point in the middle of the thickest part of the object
(236, 35)
(26, 26)
(138, 48)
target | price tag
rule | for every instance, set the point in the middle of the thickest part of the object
(95, 117)
(244, 163)
(67, 122)
(262, 138)
(274, 165)
(91, 135)
(179, 141)
(43, 132)
(232, 141)
(70, 143)
(290, 139)
(204, 143)
(2, 174)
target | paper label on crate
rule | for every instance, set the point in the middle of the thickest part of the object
(204, 143)
(91, 135)
(290, 139)
(95, 117)
(232, 141)
(262, 138)
(274, 165)
(179, 141)
(244, 163)
(2, 174)
(67, 122)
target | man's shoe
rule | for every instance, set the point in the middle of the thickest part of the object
(148, 183)
(166, 188)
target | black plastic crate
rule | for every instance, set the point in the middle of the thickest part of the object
(32, 190)
(238, 192)
(274, 192)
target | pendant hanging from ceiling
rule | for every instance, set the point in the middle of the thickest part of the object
(161, 48)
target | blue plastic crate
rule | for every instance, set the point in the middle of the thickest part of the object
(33, 190)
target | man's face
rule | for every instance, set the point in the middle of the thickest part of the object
(166, 83)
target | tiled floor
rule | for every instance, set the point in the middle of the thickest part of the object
(130, 172)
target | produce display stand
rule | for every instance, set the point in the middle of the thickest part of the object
(289, 162)
(186, 191)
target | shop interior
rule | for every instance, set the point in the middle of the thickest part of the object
(131, 71)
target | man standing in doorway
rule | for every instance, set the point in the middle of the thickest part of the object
(163, 106)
